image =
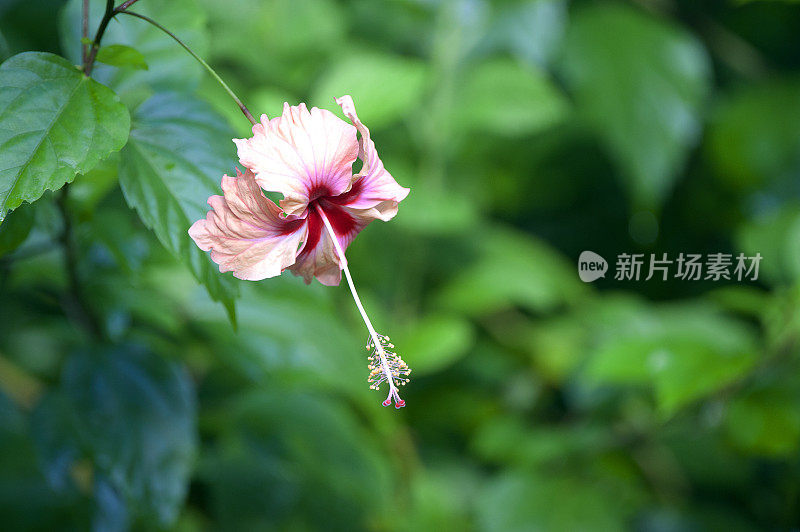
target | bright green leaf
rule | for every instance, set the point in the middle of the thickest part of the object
(300, 36)
(557, 346)
(434, 343)
(433, 210)
(511, 269)
(384, 87)
(765, 422)
(683, 352)
(641, 85)
(776, 236)
(120, 55)
(508, 98)
(178, 151)
(54, 124)
(517, 501)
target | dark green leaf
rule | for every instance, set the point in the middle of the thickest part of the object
(755, 135)
(281, 438)
(178, 151)
(54, 124)
(15, 229)
(641, 85)
(132, 415)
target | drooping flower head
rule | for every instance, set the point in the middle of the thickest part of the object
(307, 156)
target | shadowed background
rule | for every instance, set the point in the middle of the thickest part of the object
(528, 132)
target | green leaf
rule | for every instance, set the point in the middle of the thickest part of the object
(755, 135)
(89, 189)
(305, 443)
(178, 151)
(441, 498)
(532, 30)
(776, 236)
(300, 36)
(518, 501)
(684, 352)
(507, 98)
(433, 209)
(557, 346)
(169, 66)
(512, 268)
(640, 84)
(54, 123)
(27, 501)
(120, 55)
(384, 87)
(434, 343)
(765, 422)
(132, 415)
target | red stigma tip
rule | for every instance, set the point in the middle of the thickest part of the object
(387, 402)
(400, 404)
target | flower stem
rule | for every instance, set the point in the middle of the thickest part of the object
(199, 59)
(374, 335)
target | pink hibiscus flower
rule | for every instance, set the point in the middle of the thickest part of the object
(307, 156)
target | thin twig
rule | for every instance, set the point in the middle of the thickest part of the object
(101, 29)
(125, 5)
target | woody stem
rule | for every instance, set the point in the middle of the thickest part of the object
(370, 328)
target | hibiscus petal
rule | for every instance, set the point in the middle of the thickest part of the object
(301, 154)
(318, 258)
(373, 189)
(246, 232)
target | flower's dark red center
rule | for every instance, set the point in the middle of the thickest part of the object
(318, 192)
(342, 222)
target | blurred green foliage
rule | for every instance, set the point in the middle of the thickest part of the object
(528, 131)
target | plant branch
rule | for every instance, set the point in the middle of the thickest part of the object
(101, 29)
(199, 59)
(125, 5)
